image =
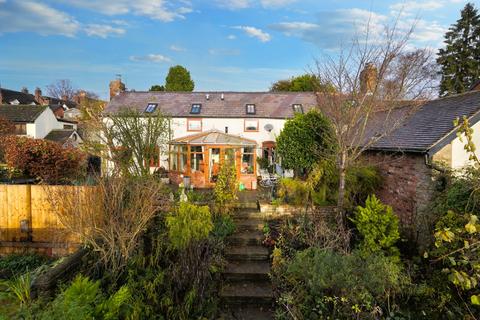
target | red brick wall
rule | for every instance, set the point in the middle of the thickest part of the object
(407, 187)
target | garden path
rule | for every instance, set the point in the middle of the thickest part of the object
(247, 290)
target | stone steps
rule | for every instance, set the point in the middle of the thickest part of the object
(247, 292)
(249, 225)
(247, 238)
(247, 270)
(247, 253)
(247, 312)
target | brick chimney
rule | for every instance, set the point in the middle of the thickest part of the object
(38, 95)
(116, 87)
(24, 90)
(368, 79)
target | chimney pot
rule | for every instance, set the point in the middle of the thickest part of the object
(368, 78)
(116, 87)
(38, 95)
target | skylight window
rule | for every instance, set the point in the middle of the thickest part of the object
(297, 108)
(196, 108)
(250, 109)
(151, 107)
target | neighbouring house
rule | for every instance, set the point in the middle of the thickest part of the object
(209, 127)
(425, 143)
(37, 121)
(23, 97)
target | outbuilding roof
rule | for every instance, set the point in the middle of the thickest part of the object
(215, 104)
(21, 113)
(431, 127)
(60, 135)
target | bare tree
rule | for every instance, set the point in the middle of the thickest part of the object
(129, 139)
(109, 217)
(61, 89)
(371, 83)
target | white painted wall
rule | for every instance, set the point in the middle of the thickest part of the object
(235, 127)
(459, 155)
(45, 123)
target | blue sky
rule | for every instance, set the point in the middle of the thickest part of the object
(240, 45)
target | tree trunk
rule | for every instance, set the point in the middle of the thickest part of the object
(341, 221)
(341, 183)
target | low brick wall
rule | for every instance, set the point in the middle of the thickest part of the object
(277, 211)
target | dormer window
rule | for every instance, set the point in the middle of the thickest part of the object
(250, 109)
(151, 107)
(297, 108)
(196, 107)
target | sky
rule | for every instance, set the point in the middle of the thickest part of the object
(227, 45)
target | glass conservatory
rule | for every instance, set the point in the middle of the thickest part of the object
(200, 156)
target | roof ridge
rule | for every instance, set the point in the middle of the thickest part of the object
(220, 92)
(455, 95)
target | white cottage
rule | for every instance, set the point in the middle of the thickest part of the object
(208, 127)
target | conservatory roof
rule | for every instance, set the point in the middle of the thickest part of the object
(214, 137)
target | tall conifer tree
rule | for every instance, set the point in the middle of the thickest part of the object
(460, 59)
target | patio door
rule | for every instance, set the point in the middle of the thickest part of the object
(214, 164)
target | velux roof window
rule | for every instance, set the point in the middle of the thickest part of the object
(151, 107)
(297, 108)
(196, 107)
(250, 108)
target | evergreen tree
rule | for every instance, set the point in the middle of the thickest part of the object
(157, 87)
(460, 59)
(178, 79)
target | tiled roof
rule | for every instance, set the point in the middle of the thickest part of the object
(178, 104)
(60, 135)
(432, 123)
(21, 113)
(214, 137)
(11, 95)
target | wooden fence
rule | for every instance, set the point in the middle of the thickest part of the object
(28, 221)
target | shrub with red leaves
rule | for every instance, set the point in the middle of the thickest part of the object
(6, 127)
(42, 159)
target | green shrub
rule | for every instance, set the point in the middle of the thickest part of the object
(225, 190)
(293, 191)
(187, 224)
(83, 299)
(16, 264)
(327, 285)
(223, 226)
(377, 226)
(361, 181)
(17, 289)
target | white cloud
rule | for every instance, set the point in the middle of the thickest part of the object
(151, 58)
(243, 4)
(154, 9)
(294, 28)
(276, 3)
(231, 37)
(21, 16)
(177, 48)
(408, 7)
(103, 30)
(255, 33)
(334, 28)
(234, 4)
